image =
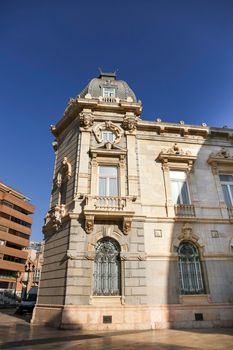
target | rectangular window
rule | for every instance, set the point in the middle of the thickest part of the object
(108, 181)
(109, 92)
(108, 136)
(180, 193)
(227, 188)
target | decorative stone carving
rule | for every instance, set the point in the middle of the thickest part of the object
(223, 153)
(54, 217)
(174, 155)
(130, 123)
(70, 255)
(89, 223)
(64, 172)
(175, 150)
(86, 119)
(187, 233)
(222, 157)
(127, 221)
(107, 126)
(90, 255)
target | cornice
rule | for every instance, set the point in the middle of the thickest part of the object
(185, 130)
(75, 106)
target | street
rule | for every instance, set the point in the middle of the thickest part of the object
(16, 333)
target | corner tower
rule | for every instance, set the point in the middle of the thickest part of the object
(94, 268)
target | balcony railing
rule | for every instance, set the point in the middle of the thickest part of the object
(230, 212)
(109, 99)
(111, 203)
(185, 210)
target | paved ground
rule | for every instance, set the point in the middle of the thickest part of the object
(16, 333)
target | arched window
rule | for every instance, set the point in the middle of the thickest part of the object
(107, 266)
(190, 269)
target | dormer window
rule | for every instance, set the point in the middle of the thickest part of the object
(109, 92)
(108, 136)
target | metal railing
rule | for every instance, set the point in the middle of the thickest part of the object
(184, 210)
(230, 212)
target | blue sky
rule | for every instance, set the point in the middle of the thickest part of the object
(177, 55)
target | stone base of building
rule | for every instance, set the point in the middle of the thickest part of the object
(137, 317)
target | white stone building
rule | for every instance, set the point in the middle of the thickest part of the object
(139, 232)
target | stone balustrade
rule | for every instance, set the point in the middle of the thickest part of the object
(109, 99)
(230, 212)
(107, 203)
(184, 210)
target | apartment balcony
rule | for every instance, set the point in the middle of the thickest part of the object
(15, 226)
(9, 237)
(18, 253)
(108, 208)
(184, 211)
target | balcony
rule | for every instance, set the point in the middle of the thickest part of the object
(109, 207)
(109, 203)
(109, 99)
(230, 212)
(184, 210)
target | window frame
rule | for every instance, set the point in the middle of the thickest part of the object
(191, 279)
(108, 180)
(108, 132)
(100, 284)
(106, 92)
(180, 181)
(228, 184)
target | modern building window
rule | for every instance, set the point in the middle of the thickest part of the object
(108, 136)
(109, 92)
(107, 268)
(190, 269)
(227, 187)
(180, 193)
(108, 181)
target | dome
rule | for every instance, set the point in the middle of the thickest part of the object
(107, 85)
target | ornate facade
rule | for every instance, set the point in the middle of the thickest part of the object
(139, 233)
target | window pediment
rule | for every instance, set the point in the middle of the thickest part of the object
(222, 157)
(108, 150)
(176, 156)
